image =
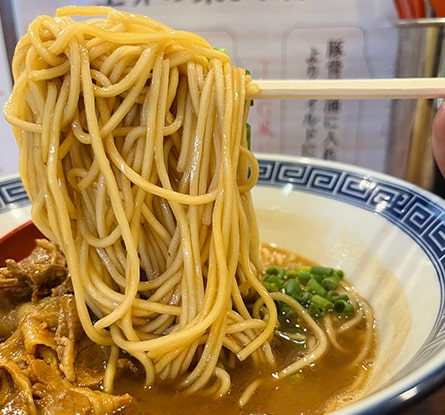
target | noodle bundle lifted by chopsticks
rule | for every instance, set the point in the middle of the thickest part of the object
(133, 151)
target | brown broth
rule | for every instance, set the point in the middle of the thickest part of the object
(329, 383)
(326, 382)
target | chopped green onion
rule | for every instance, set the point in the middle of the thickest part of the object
(344, 308)
(334, 296)
(294, 379)
(248, 135)
(304, 297)
(286, 311)
(330, 283)
(339, 273)
(315, 287)
(274, 279)
(319, 305)
(292, 273)
(321, 270)
(304, 277)
(272, 270)
(292, 287)
(220, 50)
(271, 287)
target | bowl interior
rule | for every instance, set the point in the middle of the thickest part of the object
(380, 261)
(388, 237)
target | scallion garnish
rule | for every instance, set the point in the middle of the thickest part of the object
(313, 287)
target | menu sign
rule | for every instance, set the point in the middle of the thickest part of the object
(285, 39)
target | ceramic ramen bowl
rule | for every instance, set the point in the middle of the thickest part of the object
(387, 235)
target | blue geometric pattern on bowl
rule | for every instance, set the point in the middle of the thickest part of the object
(12, 194)
(408, 209)
(404, 206)
(415, 214)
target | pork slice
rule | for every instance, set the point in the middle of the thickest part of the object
(33, 277)
(8, 323)
(37, 323)
(13, 349)
(14, 288)
(15, 393)
(69, 332)
(90, 364)
(56, 395)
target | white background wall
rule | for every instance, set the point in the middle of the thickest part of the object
(277, 39)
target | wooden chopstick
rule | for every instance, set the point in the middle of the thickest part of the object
(397, 88)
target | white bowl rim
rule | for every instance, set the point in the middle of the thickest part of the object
(421, 382)
(415, 385)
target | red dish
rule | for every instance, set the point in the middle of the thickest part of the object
(18, 243)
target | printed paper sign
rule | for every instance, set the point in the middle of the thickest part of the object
(284, 39)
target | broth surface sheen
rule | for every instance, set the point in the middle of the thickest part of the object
(332, 382)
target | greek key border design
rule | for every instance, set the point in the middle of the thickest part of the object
(416, 215)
